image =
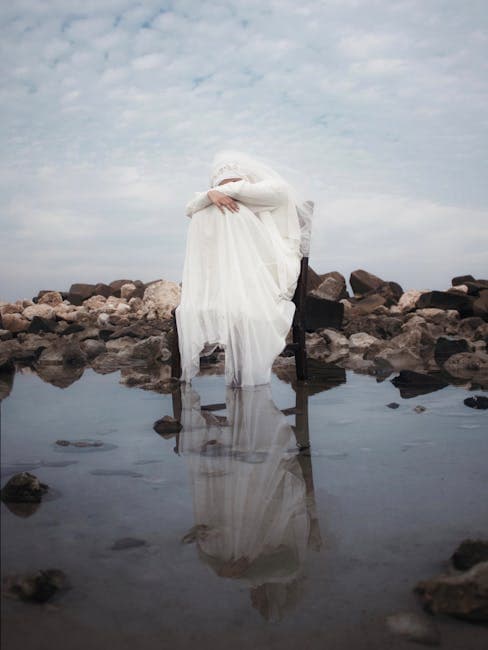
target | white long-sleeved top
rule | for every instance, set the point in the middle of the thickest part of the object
(263, 195)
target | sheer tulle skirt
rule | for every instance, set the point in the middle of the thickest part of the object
(239, 276)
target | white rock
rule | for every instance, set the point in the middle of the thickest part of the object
(122, 309)
(361, 341)
(126, 290)
(52, 298)
(15, 322)
(103, 319)
(42, 310)
(159, 299)
(408, 299)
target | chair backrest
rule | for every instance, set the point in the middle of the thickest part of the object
(305, 214)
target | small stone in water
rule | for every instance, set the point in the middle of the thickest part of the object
(23, 488)
(37, 587)
(419, 408)
(127, 542)
(393, 405)
(477, 402)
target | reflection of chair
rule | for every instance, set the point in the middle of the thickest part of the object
(298, 329)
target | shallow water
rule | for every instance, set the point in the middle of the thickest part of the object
(249, 543)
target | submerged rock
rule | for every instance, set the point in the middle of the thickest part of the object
(477, 402)
(36, 587)
(167, 426)
(23, 487)
(469, 553)
(463, 595)
(127, 542)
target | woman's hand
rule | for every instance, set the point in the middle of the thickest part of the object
(222, 201)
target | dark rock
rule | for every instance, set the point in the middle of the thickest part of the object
(140, 330)
(477, 402)
(332, 287)
(74, 356)
(468, 326)
(72, 328)
(167, 426)
(102, 289)
(361, 281)
(366, 305)
(445, 348)
(411, 383)
(461, 279)
(379, 325)
(463, 595)
(390, 291)
(116, 285)
(446, 300)
(320, 312)
(480, 305)
(23, 488)
(106, 332)
(393, 405)
(39, 324)
(127, 542)
(469, 553)
(476, 287)
(79, 292)
(37, 587)
(314, 280)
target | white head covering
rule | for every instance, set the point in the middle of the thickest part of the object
(293, 219)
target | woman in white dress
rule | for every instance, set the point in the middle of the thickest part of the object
(241, 269)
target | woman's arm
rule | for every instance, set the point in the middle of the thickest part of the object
(198, 202)
(263, 195)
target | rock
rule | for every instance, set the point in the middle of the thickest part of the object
(477, 402)
(445, 300)
(393, 405)
(116, 286)
(72, 328)
(37, 587)
(160, 298)
(23, 488)
(469, 553)
(102, 289)
(445, 348)
(51, 298)
(408, 300)
(419, 408)
(361, 281)
(463, 595)
(361, 341)
(127, 542)
(11, 308)
(468, 365)
(79, 292)
(367, 305)
(314, 280)
(326, 345)
(468, 326)
(399, 359)
(15, 322)
(39, 324)
(320, 312)
(130, 290)
(154, 348)
(461, 279)
(390, 291)
(167, 426)
(95, 302)
(79, 443)
(476, 287)
(460, 288)
(411, 383)
(332, 287)
(6, 335)
(63, 352)
(377, 325)
(480, 305)
(413, 627)
(93, 347)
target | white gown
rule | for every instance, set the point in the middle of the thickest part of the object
(239, 277)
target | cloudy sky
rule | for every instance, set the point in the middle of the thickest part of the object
(111, 111)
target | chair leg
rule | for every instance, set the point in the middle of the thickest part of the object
(175, 350)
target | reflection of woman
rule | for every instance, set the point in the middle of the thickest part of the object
(249, 492)
(241, 269)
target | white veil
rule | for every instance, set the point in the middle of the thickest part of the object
(294, 219)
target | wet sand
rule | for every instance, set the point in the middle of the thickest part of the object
(381, 501)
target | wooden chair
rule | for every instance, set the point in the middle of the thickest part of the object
(298, 330)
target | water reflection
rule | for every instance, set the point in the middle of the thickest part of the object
(253, 493)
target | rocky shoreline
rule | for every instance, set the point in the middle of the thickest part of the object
(376, 328)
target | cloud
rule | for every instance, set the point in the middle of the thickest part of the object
(111, 115)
